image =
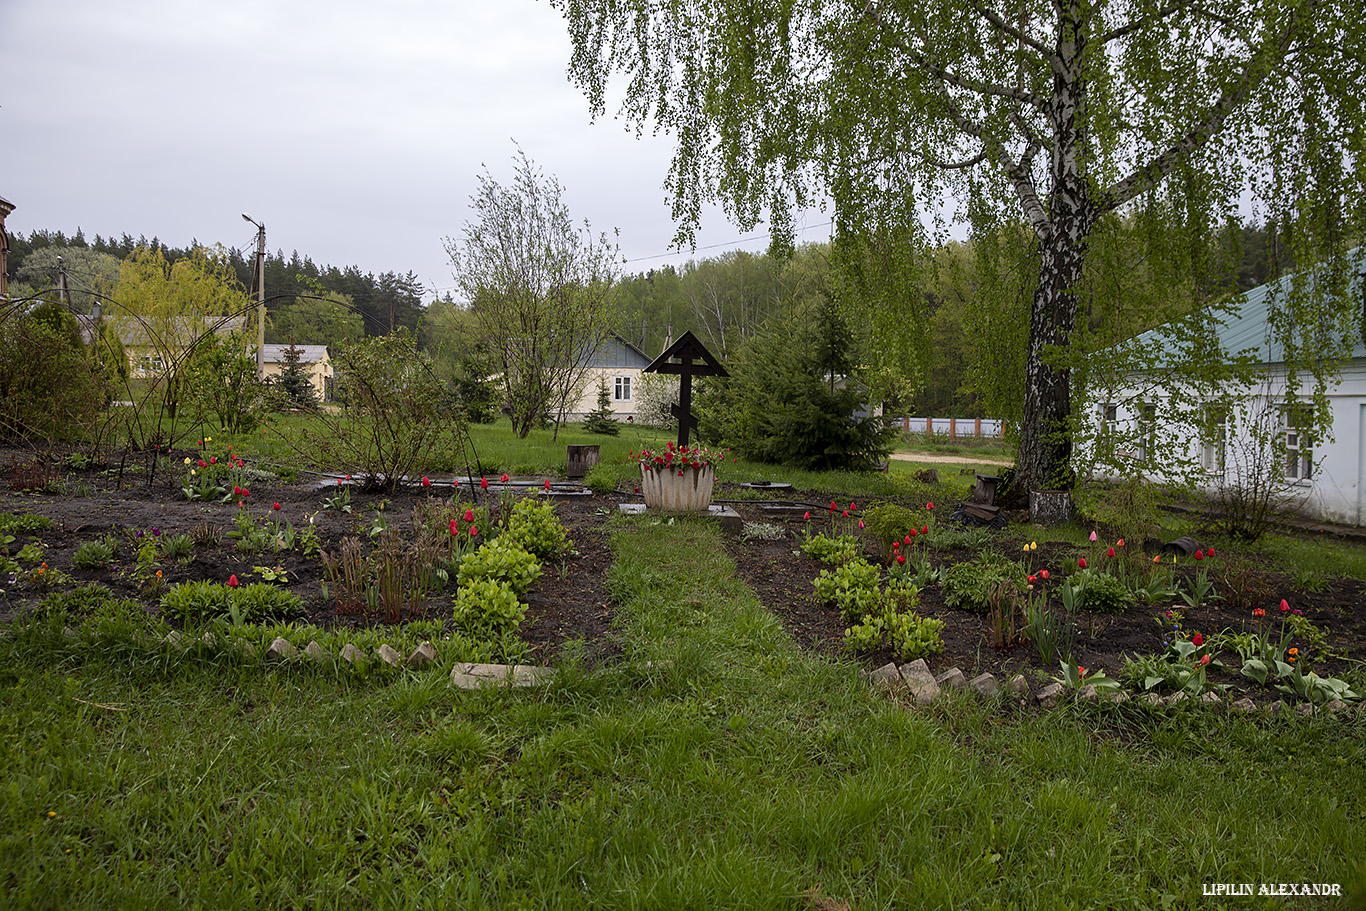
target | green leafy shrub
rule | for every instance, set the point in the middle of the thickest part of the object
(833, 551)
(93, 602)
(177, 547)
(503, 561)
(967, 586)
(97, 554)
(488, 607)
(890, 523)
(914, 636)
(852, 587)
(536, 529)
(249, 603)
(1097, 591)
(23, 524)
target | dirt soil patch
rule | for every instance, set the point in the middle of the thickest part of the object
(572, 601)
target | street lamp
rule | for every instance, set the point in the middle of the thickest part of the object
(260, 296)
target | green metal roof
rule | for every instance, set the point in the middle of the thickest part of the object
(1247, 326)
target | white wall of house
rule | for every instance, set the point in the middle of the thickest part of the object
(1322, 479)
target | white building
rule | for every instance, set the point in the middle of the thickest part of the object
(1322, 478)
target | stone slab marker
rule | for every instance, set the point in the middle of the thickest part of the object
(920, 681)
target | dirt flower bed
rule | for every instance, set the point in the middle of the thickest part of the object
(571, 599)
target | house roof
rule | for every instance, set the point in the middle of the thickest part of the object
(308, 354)
(1247, 328)
(133, 333)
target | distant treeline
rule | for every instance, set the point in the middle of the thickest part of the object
(384, 302)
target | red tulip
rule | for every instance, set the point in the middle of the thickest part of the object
(1043, 574)
(504, 478)
(1209, 551)
(202, 463)
(807, 515)
(232, 581)
(901, 558)
(213, 460)
(1082, 563)
(832, 506)
(236, 490)
(453, 530)
(469, 515)
(896, 545)
(1204, 659)
(1285, 605)
(1033, 579)
(473, 531)
(1199, 555)
(245, 492)
(1197, 640)
(929, 506)
(275, 506)
(911, 535)
(425, 482)
(484, 483)
(1259, 612)
(845, 514)
(924, 529)
(1110, 552)
(853, 506)
(1081, 671)
(1119, 543)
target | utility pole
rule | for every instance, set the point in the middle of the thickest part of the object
(260, 296)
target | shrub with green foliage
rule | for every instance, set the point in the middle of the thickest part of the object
(23, 523)
(96, 554)
(852, 586)
(967, 586)
(204, 599)
(831, 550)
(488, 607)
(92, 602)
(503, 561)
(889, 523)
(1100, 591)
(535, 528)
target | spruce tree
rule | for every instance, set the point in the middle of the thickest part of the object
(294, 381)
(602, 420)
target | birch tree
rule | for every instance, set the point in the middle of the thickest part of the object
(1047, 114)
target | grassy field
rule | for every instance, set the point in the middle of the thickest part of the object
(717, 766)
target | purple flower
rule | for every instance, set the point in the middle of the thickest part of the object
(156, 532)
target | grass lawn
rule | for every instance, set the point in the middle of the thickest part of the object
(716, 766)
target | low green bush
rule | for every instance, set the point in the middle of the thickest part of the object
(536, 529)
(22, 524)
(488, 607)
(248, 603)
(889, 522)
(852, 587)
(831, 550)
(967, 586)
(97, 554)
(501, 560)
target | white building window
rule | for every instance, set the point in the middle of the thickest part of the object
(1216, 441)
(1296, 421)
(1147, 432)
(621, 389)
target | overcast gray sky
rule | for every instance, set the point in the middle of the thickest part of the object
(354, 130)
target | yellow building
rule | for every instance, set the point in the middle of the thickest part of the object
(315, 360)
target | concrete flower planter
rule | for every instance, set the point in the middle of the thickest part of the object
(677, 490)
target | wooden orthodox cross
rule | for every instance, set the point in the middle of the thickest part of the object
(688, 358)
